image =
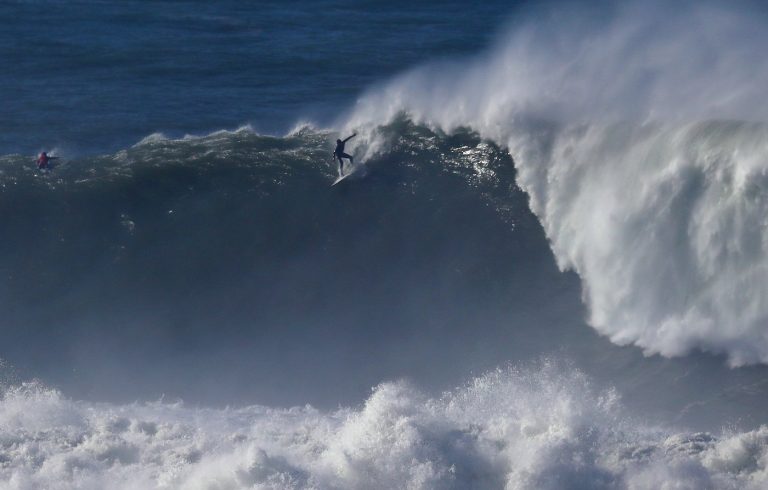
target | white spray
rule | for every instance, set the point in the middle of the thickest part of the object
(511, 428)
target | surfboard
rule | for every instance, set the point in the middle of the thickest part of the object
(352, 170)
(340, 179)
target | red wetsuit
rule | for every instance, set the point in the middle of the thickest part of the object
(42, 160)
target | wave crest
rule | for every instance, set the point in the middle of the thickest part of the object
(638, 135)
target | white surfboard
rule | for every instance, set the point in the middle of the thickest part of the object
(351, 171)
(342, 177)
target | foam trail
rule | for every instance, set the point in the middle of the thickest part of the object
(511, 428)
(640, 138)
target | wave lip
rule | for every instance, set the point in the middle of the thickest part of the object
(512, 428)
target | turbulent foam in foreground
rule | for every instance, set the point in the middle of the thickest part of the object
(641, 141)
(514, 429)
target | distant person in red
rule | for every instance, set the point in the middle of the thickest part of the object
(43, 159)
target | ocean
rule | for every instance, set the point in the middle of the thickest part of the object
(549, 269)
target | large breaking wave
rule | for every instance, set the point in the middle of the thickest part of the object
(641, 146)
(511, 428)
(115, 230)
(640, 135)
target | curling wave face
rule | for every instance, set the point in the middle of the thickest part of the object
(510, 428)
(639, 135)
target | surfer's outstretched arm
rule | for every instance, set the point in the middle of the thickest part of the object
(355, 134)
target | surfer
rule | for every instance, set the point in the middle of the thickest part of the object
(339, 153)
(43, 159)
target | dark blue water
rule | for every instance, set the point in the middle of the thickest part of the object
(100, 75)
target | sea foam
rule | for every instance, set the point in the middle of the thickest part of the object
(511, 428)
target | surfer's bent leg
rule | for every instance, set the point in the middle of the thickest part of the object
(344, 155)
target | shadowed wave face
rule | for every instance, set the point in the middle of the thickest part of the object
(224, 268)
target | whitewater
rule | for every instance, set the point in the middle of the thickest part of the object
(510, 428)
(550, 273)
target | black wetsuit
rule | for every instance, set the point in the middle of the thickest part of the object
(339, 152)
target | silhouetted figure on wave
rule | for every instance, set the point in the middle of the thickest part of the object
(339, 153)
